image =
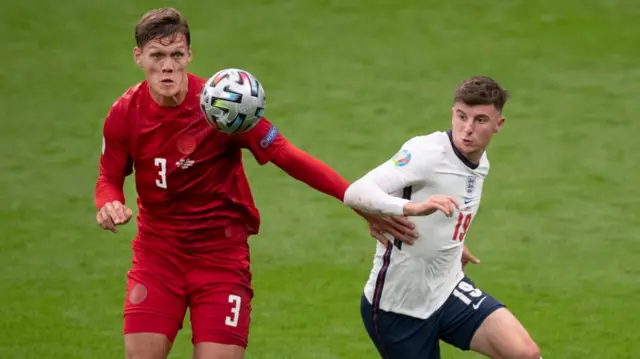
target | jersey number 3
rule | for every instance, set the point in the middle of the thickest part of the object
(161, 163)
(462, 227)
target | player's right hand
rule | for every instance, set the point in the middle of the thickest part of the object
(113, 214)
(443, 203)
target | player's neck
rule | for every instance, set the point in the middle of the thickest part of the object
(474, 157)
(171, 101)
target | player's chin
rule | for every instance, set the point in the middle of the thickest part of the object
(465, 146)
(168, 90)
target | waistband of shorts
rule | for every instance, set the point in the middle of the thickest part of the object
(228, 232)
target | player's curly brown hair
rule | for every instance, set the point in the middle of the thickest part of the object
(161, 23)
(481, 90)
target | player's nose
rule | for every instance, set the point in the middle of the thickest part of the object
(469, 128)
(167, 66)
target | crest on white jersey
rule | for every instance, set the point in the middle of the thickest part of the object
(471, 185)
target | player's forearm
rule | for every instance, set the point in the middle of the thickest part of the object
(108, 191)
(367, 196)
(310, 170)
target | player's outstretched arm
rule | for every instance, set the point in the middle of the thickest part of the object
(268, 145)
(317, 174)
(371, 194)
(115, 165)
(412, 165)
(310, 170)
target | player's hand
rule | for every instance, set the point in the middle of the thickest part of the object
(443, 203)
(467, 257)
(397, 226)
(113, 214)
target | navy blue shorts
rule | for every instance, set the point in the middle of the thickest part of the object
(398, 336)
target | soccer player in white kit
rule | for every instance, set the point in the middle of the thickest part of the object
(418, 294)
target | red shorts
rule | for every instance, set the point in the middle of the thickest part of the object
(215, 284)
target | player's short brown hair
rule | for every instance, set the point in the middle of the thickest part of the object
(161, 23)
(481, 90)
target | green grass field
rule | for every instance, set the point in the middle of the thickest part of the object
(348, 81)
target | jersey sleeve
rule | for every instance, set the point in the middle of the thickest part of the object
(115, 160)
(264, 141)
(310, 170)
(412, 165)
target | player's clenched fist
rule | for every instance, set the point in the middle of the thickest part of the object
(113, 214)
(445, 204)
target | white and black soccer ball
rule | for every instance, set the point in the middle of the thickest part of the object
(232, 100)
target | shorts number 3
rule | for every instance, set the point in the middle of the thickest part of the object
(235, 301)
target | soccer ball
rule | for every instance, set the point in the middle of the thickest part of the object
(232, 101)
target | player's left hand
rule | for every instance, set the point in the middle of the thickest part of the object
(397, 226)
(467, 257)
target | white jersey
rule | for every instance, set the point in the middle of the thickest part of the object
(416, 280)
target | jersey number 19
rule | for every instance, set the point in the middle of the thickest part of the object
(464, 222)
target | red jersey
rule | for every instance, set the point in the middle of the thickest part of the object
(189, 177)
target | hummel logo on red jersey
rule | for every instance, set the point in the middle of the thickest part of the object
(185, 163)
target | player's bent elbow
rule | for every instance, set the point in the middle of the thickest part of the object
(352, 195)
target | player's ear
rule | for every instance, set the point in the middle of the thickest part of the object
(499, 125)
(136, 56)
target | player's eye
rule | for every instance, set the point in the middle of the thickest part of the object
(177, 55)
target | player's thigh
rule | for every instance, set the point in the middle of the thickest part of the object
(147, 346)
(206, 350)
(220, 293)
(153, 316)
(398, 336)
(156, 299)
(501, 335)
(475, 320)
(221, 313)
(463, 313)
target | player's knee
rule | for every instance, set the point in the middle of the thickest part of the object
(502, 336)
(531, 351)
(528, 349)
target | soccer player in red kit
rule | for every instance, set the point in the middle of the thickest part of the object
(196, 210)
